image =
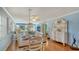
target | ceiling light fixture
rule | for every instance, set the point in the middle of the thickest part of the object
(33, 19)
(36, 17)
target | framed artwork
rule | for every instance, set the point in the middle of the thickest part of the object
(0, 27)
(7, 23)
(0, 20)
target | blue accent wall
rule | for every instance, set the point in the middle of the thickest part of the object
(73, 25)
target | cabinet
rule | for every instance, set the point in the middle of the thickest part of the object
(60, 31)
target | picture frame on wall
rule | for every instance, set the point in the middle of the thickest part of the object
(7, 25)
(0, 21)
(0, 26)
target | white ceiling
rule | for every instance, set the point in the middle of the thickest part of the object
(45, 13)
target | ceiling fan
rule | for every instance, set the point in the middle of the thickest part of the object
(32, 18)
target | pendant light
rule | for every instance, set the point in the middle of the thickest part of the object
(29, 10)
(29, 25)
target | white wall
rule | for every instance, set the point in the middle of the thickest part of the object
(5, 38)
